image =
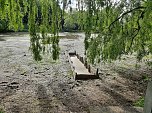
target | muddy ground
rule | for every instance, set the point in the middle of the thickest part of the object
(27, 86)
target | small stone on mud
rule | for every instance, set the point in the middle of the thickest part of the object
(6, 71)
(79, 81)
(77, 84)
(14, 83)
(79, 90)
(13, 86)
(107, 74)
(63, 89)
(23, 73)
(3, 83)
(56, 106)
(114, 78)
(35, 67)
(97, 84)
(72, 87)
(70, 82)
(84, 94)
(47, 69)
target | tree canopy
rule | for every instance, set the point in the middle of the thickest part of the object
(123, 27)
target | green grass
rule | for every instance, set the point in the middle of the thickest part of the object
(139, 103)
(70, 73)
(145, 77)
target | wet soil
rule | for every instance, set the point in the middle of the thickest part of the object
(27, 86)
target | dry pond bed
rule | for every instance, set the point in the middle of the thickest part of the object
(27, 86)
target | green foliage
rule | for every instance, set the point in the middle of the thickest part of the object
(71, 22)
(124, 27)
(3, 26)
(49, 23)
(43, 18)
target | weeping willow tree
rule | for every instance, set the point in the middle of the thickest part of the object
(49, 23)
(43, 18)
(123, 27)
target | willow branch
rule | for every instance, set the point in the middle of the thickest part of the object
(138, 29)
(135, 9)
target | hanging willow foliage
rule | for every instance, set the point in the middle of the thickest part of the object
(49, 23)
(123, 27)
(11, 11)
(43, 18)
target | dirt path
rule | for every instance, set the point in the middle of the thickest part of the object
(30, 87)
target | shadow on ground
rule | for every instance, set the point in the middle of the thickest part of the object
(44, 100)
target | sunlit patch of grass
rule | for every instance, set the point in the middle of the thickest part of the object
(145, 77)
(140, 102)
(137, 66)
(70, 73)
(147, 57)
(148, 60)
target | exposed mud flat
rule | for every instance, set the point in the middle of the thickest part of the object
(48, 87)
